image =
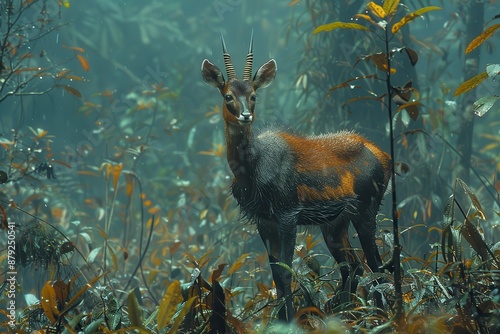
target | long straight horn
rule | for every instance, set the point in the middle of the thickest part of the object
(247, 71)
(231, 73)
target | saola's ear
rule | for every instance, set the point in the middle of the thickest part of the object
(265, 74)
(212, 75)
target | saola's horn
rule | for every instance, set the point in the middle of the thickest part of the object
(247, 71)
(231, 73)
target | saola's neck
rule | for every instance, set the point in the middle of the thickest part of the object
(240, 150)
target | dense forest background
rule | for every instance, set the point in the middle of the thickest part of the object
(113, 171)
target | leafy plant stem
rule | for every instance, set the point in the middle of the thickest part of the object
(142, 251)
(399, 312)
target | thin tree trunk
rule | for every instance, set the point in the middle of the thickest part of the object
(474, 26)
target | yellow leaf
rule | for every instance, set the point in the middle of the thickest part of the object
(185, 309)
(365, 17)
(168, 304)
(481, 38)
(410, 17)
(471, 83)
(390, 6)
(237, 265)
(376, 10)
(339, 25)
(109, 169)
(489, 147)
(134, 310)
(113, 257)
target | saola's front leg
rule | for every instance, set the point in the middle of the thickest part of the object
(279, 239)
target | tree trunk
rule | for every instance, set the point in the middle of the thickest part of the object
(474, 23)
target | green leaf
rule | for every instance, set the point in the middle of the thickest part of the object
(339, 25)
(362, 98)
(484, 104)
(168, 304)
(482, 37)
(473, 198)
(471, 83)
(493, 70)
(474, 238)
(410, 17)
(450, 240)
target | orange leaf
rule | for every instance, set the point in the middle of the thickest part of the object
(175, 247)
(62, 163)
(57, 212)
(109, 170)
(129, 181)
(85, 172)
(71, 90)
(61, 290)
(153, 211)
(49, 302)
(117, 169)
(75, 48)
(4, 216)
(73, 77)
(83, 289)
(62, 74)
(237, 265)
(364, 17)
(26, 69)
(83, 61)
(26, 55)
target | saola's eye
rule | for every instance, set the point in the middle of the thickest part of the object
(253, 97)
(228, 97)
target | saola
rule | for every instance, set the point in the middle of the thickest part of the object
(282, 180)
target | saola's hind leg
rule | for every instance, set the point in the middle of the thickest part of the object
(365, 224)
(337, 239)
